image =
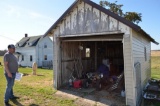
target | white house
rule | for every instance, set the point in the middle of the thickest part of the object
(87, 25)
(35, 49)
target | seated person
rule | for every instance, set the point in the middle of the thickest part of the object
(103, 69)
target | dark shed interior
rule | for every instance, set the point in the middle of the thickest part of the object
(82, 57)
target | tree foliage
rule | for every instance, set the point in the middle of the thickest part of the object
(133, 16)
(117, 9)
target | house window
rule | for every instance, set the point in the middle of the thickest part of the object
(45, 57)
(22, 57)
(31, 58)
(45, 45)
(88, 52)
(145, 53)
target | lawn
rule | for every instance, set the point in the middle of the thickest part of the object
(34, 90)
(155, 65)
(38, 90)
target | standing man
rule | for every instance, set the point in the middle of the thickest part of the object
(10, 69)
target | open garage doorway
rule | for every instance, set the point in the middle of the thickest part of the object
(93, 66)
(83, 59)
(101, 57)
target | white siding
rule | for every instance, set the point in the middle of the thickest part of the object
(128, 71)
(26, 52)
(56, 62)
(41, 51)
(37, 52)
(139, 43)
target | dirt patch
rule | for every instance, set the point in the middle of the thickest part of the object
(27, 100)
(96, 98)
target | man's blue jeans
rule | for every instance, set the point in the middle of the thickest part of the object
(9, 88)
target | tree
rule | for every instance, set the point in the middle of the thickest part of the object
(133, 17)
(117, 9)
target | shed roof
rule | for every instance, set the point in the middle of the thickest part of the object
(108, 12)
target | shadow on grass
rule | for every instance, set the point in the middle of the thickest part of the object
(25, 74)
(33, 105)
(39, 75)
(17, 103)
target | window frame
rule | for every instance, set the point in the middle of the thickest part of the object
(22, 57)
(31, 58)
(145, 53)
(45, 45)
(89, 52)
(45, 57)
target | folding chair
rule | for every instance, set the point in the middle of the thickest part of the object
(115, 85)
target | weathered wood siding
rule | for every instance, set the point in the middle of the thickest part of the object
(85, 19)
(128, 70)
(56, 61)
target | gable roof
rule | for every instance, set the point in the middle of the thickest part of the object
(28, 41)
(106, 11)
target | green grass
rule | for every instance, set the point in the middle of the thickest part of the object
(1, 59)
(34, 90)
(38, 90)
(155, 67)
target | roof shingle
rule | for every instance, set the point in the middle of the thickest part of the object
(28, 41)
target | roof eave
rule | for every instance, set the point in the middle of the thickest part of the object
(151, 39)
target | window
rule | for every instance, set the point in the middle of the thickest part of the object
(30, 57)
(22, 57)
(45, 57)
(145, 53)
(88, 52)
(45, 45)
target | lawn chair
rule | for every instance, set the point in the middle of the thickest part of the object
(118, 81)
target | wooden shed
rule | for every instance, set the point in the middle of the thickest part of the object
(86, 33)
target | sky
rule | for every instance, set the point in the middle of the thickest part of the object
(35, 17)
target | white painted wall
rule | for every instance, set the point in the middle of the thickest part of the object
(139, 42)
(41, 51)
(128, 70)
(26, 52)
(37, 53)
